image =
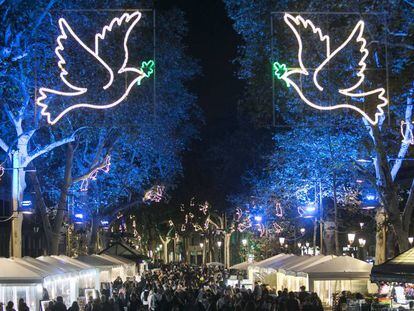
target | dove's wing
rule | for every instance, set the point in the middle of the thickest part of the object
(316, 41)
(68, 48)
(119, 27)
(356, 38)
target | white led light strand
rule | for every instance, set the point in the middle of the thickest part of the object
(358, 30)
(105, 167)
(66, 30)
(407, 133)
(279, 210)
(155, 194)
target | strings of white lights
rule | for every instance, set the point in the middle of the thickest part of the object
(293, 22)
(155, 194)
(105, 167)
(66, 30)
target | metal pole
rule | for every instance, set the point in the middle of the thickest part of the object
(320, 218)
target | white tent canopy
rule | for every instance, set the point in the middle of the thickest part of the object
(339, 268)
(241, 266)
(17, 273)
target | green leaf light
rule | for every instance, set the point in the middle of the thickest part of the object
(148, 68)
(279, 70)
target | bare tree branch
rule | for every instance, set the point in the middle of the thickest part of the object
(3, 145)
(404, 145)
(48, 148)
(41, 18)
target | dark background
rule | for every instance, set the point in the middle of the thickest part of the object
(208, 171)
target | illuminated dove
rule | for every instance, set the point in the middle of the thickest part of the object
(300, 26)
(110, 68)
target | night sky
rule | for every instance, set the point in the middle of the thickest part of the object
(213, 42)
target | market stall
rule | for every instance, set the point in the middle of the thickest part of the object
(109, 270)
(343, 273)
(18, 280)
(396, 280)
(129, 267)
(77, 277)
(266, 270)
(242, 266)
(293, 277)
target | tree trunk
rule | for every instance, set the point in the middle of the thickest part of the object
(18, 188)
(337, 246)
(62, 205)
(315, 230)
(92, 245)
(380, 245)
(165, 249)
(329, 238)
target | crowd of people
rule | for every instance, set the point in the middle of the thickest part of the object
(183, 287)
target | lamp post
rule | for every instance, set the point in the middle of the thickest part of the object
(362, 243)
(202, 252)
(219, 243)
(281, 242)
(351, 239)
(411, 240)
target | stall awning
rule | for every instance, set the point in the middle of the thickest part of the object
(241, 266)
(397, 269)
(122, 250)
(307, 262)
(272, 261)
(12, 272)
(98, 262)
(47, 269)
(79, 264)
(340, 268)
(61, 264)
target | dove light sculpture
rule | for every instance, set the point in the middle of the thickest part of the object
(295, 23)
(66, 31)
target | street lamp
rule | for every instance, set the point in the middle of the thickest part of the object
(307, 244)
(201, 245)
(299, 245)
(258, 218)
(361, 224)
(244, 242)
(302, 231)
(411, 240)
(361, 242)
(219, 244)
(351, 238)
(281, 240)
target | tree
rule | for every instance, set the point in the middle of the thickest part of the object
(388, 40)
(145, 136)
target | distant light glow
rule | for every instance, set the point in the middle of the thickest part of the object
(204, 208)
(79, 216)
(26, 203)
(277, 228)
(370, 197)
(293, 22)
(258, 218)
